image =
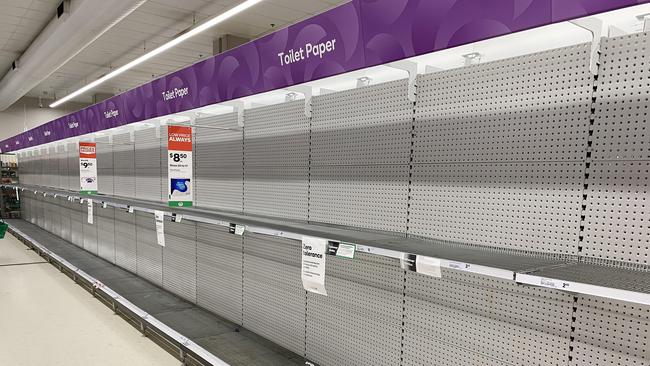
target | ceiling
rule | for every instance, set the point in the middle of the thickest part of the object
(152, 24)
(20, 22)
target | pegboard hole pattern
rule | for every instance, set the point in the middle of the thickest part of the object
(528, 206)
(621, 124)
(529, 108)
(610, 332)
(368, 125)
(616, 222)
(618, 210)
(372, 197)
(277, 135)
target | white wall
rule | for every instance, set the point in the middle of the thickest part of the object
(25, 114)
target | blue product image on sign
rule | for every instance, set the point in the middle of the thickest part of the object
(181, 185)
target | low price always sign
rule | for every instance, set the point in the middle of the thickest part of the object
(88, 167)
(179, 166)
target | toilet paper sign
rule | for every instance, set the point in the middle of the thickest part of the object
(179, 166)
(88, 167)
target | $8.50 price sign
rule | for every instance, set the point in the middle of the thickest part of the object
(179, 166)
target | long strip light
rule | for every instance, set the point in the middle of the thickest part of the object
(155, 52)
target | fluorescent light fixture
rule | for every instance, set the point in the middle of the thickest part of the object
(183, 37)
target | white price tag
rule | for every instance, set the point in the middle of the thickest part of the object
(549, 282)
(428, 266)
(239, 229)
(343, 250)
(160, 227)
(459, 266)
(90, 211)
(130, 209)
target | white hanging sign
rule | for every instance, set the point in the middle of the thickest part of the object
(313, 264)
(179, 166)
(88, 167)
(90, 211)
(160, 227)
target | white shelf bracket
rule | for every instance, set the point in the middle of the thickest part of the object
(614, 31)
(412, 69)
(595, 26)
(430, 69)
(239, 106)
(132, 134)
(308, 92)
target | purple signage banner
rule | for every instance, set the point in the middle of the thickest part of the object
(355, 35)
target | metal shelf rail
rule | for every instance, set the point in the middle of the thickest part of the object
(568, 273)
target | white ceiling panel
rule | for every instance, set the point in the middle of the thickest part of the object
(20, 23)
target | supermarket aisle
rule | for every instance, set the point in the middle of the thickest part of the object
(46, 319)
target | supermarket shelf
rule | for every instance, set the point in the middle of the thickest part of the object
(590, 279)
(156, 312)
(562, 272)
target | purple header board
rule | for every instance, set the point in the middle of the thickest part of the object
(355, 35)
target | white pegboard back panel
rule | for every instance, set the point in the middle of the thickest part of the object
(609, 332)
(367, 125)
(277, 135)
(124, 181)
(528, 206)
(485, 318)
(74, 182)
(148, 164)
(219, 271)
(220, 143)
(125, 240)
(148, 252)
(180, 259)
(273, 296)
(218, 163)
(367, 300)
(623, 99)
(498, 299)
(279, 191)
(529, 108)
(372, 197)
(106, 233)
(616, 224)
(105, 172)
(220, 188)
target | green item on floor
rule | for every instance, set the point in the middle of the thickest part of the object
(3, 229)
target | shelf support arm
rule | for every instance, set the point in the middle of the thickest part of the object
(412, 69)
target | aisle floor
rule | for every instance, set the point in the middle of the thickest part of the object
(46, 319)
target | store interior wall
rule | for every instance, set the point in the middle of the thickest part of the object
(30, 112)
